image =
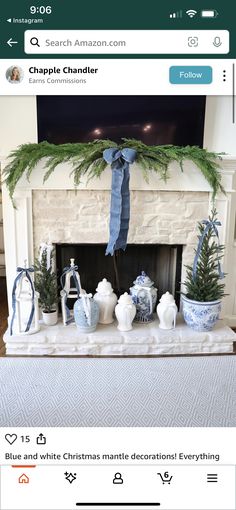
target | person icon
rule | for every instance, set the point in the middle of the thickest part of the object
(14, 74)
(118, 478)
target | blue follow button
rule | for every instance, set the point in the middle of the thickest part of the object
(187, 75)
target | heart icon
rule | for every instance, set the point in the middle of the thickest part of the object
(11, 438)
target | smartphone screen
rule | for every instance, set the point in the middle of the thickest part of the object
(117, 255)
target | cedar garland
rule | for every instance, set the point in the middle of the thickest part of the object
(87, 159)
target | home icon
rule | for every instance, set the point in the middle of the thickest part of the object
(23, 479)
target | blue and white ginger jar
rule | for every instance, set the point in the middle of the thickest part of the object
(144, 296)
(86, 313)
(201, 315)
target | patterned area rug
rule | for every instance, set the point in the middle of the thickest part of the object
(164, 392)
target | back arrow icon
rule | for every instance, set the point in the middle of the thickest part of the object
(11, 42)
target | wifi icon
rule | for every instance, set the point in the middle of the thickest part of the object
(191, 13)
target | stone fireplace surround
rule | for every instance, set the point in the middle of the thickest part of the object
(160, 213)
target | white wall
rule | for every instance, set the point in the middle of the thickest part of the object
(220, 136)
(18, 122)
(220, 132)
(18, 125)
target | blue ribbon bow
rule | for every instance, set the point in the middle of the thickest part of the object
(209, 224)
(21, 271)
(78, 288)
(119, 159)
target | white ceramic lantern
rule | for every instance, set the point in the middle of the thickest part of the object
(25, 304)
(106, 300)
(69, 292)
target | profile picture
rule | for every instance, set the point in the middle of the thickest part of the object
(14, 74)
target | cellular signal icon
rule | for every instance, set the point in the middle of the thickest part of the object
(177, 14)
(191, 13)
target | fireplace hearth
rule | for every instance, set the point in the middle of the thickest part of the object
(143, 340)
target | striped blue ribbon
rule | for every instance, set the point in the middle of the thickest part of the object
(209, 224)
(119, 159)
(21, 271)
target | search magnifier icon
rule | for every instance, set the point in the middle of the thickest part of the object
(34, 41)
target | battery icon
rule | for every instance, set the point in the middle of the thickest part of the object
(209, 14)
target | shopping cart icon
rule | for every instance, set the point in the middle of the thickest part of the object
(165, 477)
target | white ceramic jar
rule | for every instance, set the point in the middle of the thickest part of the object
(167, 311)
(125, 312)
(106, 299)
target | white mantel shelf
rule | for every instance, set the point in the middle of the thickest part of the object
(191, 179)
(142, 340)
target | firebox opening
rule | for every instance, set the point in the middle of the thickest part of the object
(162, 263)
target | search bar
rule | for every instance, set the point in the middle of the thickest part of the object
(78, 42)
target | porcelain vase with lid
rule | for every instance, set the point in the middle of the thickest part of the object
(144, 296)
(125, 312)
(106, 299)
(167, 311)
(86, 313)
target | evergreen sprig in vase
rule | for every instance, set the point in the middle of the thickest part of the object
(204, 285)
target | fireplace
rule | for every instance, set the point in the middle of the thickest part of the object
(162, 238)
(162, 263)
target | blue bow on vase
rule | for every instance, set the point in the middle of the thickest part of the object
(119, 159)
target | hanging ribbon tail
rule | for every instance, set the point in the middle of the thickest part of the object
(32, 307)
(21, 271)
(120, 196)
(208, 224)
(87, 306)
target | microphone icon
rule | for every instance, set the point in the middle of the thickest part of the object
(217, 42)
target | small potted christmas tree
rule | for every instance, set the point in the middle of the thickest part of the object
(203, 284)
(46, 285)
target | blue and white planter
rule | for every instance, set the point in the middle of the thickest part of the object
(86, 313)
(201, 316)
